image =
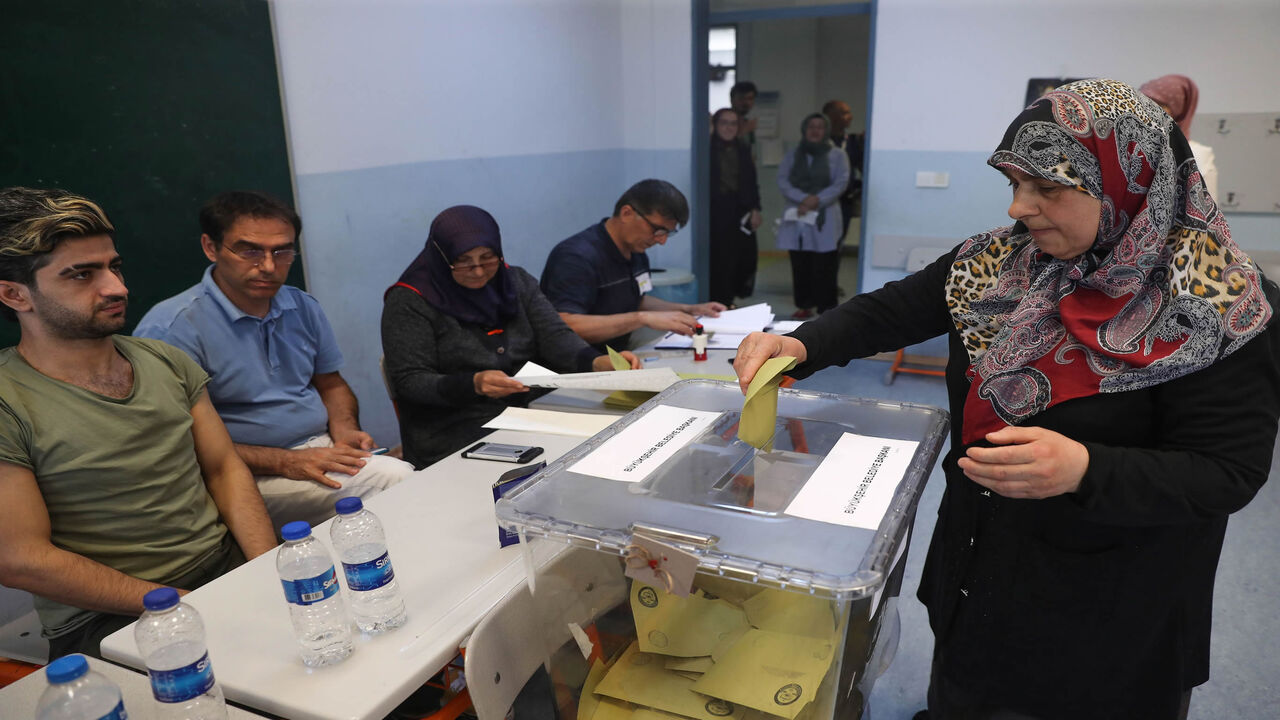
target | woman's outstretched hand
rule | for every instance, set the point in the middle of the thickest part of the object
(496, 384)
(758, 347)
(1029, 462)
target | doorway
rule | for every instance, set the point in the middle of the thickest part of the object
(799, 58)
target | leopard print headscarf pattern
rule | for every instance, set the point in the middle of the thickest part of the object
(1174, 292)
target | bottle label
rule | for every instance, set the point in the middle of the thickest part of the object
(116, 714)
(311, 590)
(369, 575)
(182, 684)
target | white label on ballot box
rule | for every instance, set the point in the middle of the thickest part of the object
(645, 444)
(855, 483)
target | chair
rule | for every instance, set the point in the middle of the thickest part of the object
(503, 653)
(22, 650)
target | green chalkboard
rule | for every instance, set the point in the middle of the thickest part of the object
(148, 107)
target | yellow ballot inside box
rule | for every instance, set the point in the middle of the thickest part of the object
(679, 571)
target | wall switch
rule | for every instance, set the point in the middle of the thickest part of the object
(932, 179)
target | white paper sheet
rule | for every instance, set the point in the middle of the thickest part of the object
(780, 327)
(855, 483)
(533, 369)
(740, 320)
(634, 453)
(794, 215)
(718, 341)
(551, 421)
(652, 380)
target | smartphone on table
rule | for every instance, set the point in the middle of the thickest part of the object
(502, 453)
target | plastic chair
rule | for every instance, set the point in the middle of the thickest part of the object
(502, 654)
(915, 365)
(22, 649)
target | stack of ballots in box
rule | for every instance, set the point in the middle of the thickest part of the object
(740, 654)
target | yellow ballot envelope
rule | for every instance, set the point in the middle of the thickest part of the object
(686, 627)
(793, 613)
(624, 399)
(639, 678)
(689, 664)
(588, 701)
(760, 408)
(776, 673)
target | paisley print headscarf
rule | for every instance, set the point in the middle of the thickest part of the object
(1163, 292)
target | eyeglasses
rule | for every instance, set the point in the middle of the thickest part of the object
(485, 265)
(657, 229)
(255, 255)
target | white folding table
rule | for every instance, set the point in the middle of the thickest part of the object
(442, 536)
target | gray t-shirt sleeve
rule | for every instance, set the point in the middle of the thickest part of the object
(15, 437)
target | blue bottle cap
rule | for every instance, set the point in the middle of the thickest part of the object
(160, 599)
(295, 530)
(348, 505)
(66, 669)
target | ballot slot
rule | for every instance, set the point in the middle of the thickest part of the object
(718, 470)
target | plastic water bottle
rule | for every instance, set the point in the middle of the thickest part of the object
(361, 545)
(77, 693)
(170, 636)
(319, 614)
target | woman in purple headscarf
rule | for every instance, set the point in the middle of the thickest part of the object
(1178, 95)
(455, 328)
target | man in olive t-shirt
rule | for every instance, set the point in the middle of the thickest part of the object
(116, 475)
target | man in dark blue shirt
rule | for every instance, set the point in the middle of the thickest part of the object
(598, 280)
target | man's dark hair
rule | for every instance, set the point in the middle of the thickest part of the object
(742, 88)
(655, 196)
(33, 222)
(222, 211)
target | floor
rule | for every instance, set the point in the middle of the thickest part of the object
(1245, 671)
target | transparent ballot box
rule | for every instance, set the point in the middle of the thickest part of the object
(675, 570)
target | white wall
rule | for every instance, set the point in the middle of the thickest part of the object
(951, 74)
(541, 111)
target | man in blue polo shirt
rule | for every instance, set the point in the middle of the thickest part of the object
(599, 279)
(273, 363)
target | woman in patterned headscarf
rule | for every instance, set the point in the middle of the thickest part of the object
(455, 328)
(1114, 392)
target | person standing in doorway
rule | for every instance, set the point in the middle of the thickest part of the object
(812, 177)
(742, 97)
(735, 211)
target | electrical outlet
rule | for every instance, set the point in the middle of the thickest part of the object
(932, 179)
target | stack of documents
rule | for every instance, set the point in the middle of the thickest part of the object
(729, 650)
(727, 331)
(740, 320)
